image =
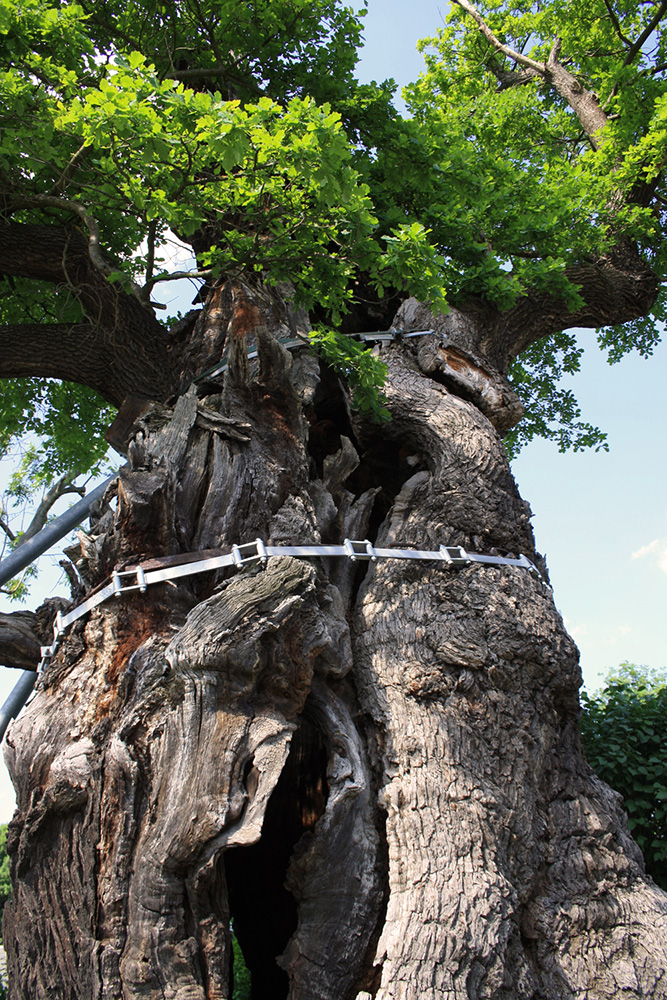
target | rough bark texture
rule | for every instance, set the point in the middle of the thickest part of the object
(373, 769)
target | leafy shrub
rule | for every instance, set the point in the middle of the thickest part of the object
(624, 734)
(241, 974)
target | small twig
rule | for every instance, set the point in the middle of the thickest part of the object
(177, 275)
(64, 177)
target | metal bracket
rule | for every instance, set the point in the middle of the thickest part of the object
(454, 555)
(359, 550)
(138, 579)
(120, 587)
(249, 552)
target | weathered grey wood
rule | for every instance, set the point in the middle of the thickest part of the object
(374, 769)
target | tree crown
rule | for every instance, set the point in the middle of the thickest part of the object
(526, 181)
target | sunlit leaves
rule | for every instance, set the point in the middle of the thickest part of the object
(280, 48)
(276, 184)
(68, 420)
(528, 189)
(551, 411)
(239, 127)
(364, 372)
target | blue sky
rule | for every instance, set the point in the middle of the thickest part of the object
(600, 518)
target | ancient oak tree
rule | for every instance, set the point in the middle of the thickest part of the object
(374, 769)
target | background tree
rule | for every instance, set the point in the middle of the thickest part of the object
(624, 735)
(375, 770)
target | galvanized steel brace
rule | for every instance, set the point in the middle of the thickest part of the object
(138, 579)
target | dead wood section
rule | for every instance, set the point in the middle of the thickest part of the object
(372, 771)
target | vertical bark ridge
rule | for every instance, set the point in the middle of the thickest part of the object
(492, 815)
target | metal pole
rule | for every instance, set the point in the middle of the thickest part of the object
(22, 557)
(52, 533)
(17, 699)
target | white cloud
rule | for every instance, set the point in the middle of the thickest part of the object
(621, 631)
(645, 549)
(656, 548)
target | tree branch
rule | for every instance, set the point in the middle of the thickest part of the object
(617, 288)
(616, 23)
(120, 348)
(72, 352)
(648, 30)
(60, 488)
(7, 530)
(583, 102)
(90, 222)
(517, 57)
(64, 177)
(19, 639)
(510, 78)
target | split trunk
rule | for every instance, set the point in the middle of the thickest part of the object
(371, 770)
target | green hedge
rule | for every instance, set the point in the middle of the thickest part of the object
(624, 734)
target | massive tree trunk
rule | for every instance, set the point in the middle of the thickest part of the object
(372, 769)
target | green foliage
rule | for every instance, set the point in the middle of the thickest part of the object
(624, 734)
(100, 118)
(510, 185)
(531, 192)
(364, 372)
(240, 127)
(641, 335)
(69, 422)
(280, 48)
(275, 182)
(241, 973)
(551, 411)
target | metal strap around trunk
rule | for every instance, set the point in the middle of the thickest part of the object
(378, 336)
(140, 577)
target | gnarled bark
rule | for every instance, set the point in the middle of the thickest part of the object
(372, 769)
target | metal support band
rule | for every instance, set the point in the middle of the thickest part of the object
(139, 579)
(373, 337)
